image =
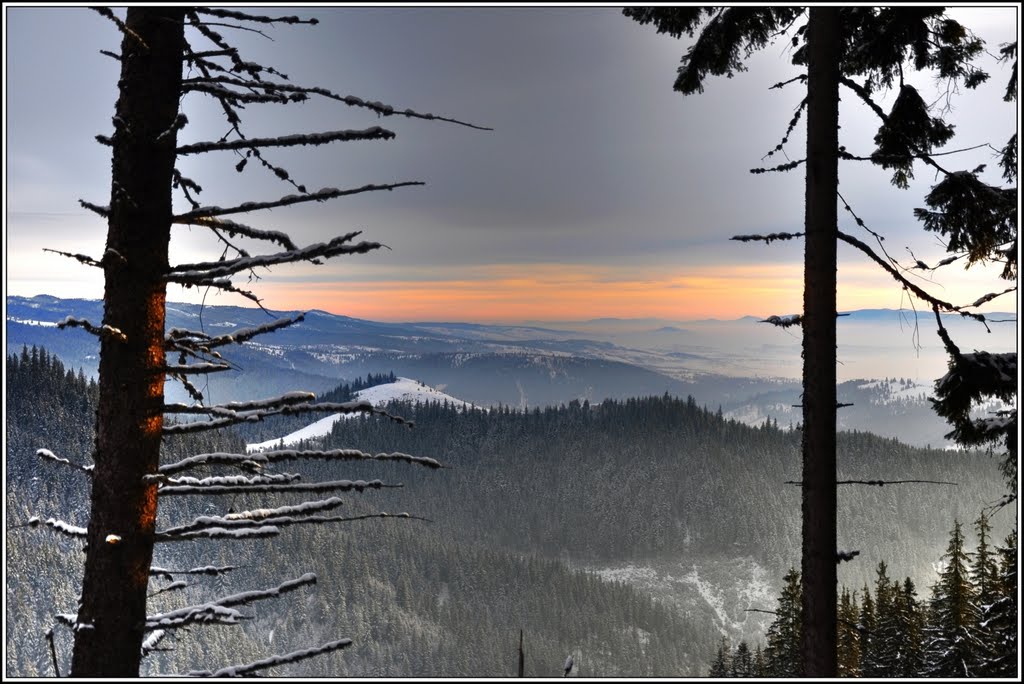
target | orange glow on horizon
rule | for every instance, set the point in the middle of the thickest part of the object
(556, 292)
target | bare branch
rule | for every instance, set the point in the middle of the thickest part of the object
(84, 258)
(102, 211)
(273, 661)
(319, 196)
(770, 237)
(334, 485)
(784, 321)
(882, 483)
(106, 12)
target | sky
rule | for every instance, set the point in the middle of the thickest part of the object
(600, 192)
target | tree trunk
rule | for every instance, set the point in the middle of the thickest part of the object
(818, 567)
(112, 609)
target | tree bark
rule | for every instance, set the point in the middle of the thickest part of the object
(112, 610)
(818, 566)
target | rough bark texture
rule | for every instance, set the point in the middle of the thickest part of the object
(130, 417)
(818, 567)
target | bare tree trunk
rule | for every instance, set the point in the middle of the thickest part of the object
(112, 610)
(818, 567)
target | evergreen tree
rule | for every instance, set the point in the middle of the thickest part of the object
(868, 627)
(952, 647)
(782, 652)
(879, 658)
(999, 622)
(743, 661)
(909, 623)
(837, 46)
(848, 639)
(721, 666)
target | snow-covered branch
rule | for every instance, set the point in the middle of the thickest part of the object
(209, 270)
(233, 228)
(217, 527)
(273, 661)
(770, 237)
(99, 331)
(59, 526)
(203, 570)
(334, 485)
(318, 196)
(242, 16)
(234, 407)
(342, 455)
(181, 336)
(196, 368)
(223, 608)
(48, 455)
(374, 133)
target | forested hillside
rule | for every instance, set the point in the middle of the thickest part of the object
(527, 501)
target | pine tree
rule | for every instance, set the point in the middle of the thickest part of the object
(952, 647)
(868, 627)
(879, 658)
(999, 623)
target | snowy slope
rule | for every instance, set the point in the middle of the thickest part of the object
(403, 389)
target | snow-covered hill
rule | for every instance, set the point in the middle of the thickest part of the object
(403, 389)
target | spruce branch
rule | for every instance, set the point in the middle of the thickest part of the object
(83, 258)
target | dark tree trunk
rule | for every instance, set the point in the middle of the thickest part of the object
(112, 611)
(818, 567)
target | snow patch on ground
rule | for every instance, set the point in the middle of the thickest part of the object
(403, 389)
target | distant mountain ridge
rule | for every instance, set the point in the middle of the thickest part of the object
(740, 366)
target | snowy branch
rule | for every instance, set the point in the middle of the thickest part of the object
(273, 661)
(845, 556)
(263, 457)
(196, 368)
(220, 527)
(99, 331)
(48, 455)
(335, 485)
(784, 321)
(242, 16)
(374, 133)
(319, 196)
(209, 270)
(233, 228)
(59, 526)
(204, 570)
(222, 608)
(770, 237)
(234, 407)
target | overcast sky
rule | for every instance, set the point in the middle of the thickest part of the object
(600, 191)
